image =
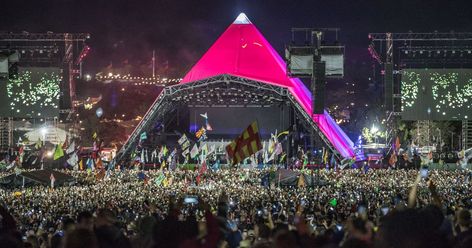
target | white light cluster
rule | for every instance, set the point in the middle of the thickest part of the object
(448, 93)
(410, 88)
(23, 91)
(138, 80)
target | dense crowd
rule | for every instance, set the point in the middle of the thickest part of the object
(231, 208)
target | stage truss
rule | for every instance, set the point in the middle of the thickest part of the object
(222, 90)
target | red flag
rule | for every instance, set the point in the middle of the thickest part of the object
(202, 170)
(397, 144)
(393, 159)
(66, 144)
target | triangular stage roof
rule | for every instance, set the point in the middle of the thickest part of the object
(243, 51)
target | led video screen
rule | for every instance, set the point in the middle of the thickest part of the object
(436, 94)
(231, 121)
(32, 93)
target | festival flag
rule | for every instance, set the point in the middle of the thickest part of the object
(111, 165)
(94, 136)
(100, 174)
(325, 158)
(99, 164)
(81, 165)
(58, 153)
(66, 143)
(71, 148)
(164, 151)
(90, 165)
(248, 143)
(271, 146)
(159, 179)
(38, 144)
(182, 139)
(204, 151)
(278, 149)
(216, 165)
(72, 161)
(301, 181)
(53, 180)
(202, 170)
(161, 154)
(393, 159)
(212, 149)
(194, 151)
(200, 133)
(272, 157)
(208, 126)
(165, 182)
(143, 136)
(154, 155)
(143, 157)
(397, 144)
(305, 162)
(163, 164)
(21, 153)
(265, 157)
(333, 160)
(281, 160)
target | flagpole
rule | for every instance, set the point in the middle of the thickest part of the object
(153, 63)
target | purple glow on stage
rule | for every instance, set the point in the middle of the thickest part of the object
(243, 51)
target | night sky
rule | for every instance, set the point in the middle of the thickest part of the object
(181, 30)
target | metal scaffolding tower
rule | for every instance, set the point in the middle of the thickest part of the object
(395, 51)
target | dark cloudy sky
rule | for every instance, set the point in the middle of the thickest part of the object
(181, 30)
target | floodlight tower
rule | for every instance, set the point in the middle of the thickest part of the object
(318, 56)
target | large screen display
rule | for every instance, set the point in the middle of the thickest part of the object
(32, 93)
(231, 121)
(436, 94)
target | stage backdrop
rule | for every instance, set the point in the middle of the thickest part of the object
(436, 94)
(32, 93)
(233, 120)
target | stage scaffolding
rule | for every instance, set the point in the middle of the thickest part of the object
(222, 90)
(396, 51)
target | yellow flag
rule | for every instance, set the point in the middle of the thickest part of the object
(163, 164)
(81, 165)
(165, 182)
(58, 153)
(94, 136)
(301, 181)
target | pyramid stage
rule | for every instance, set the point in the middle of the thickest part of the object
(240, 77)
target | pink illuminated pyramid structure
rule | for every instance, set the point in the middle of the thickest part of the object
(242, 51)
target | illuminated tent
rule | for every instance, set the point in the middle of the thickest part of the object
(243, 51)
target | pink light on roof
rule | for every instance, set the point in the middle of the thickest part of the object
(243, 51)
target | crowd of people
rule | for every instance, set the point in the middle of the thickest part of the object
(232, 208)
